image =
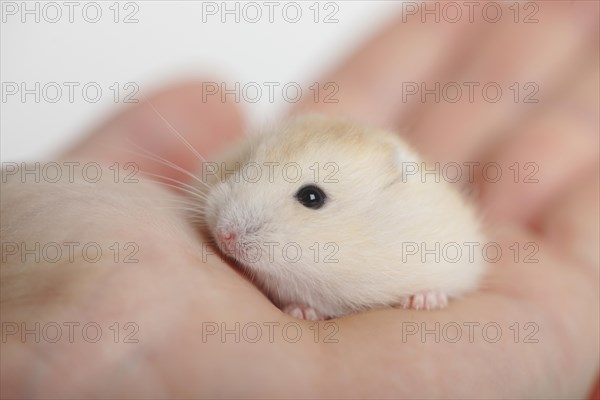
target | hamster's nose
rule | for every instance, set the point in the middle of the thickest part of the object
(226, 235)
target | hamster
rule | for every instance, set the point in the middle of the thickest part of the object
(324, 217)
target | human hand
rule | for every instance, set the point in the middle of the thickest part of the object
(553, 203)
(171, 293)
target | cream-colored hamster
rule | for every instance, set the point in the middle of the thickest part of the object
(325, 218)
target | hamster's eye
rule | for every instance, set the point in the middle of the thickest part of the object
(311, 197)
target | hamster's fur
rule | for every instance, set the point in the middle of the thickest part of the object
(351, 254)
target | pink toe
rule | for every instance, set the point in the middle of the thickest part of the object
(418, 301)
(431, 300)
(311, 315)
(297, 313)
(405, 302)
(428, 300)
(302, 312)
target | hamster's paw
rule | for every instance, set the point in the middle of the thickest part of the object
(428, 300)
(301, 311)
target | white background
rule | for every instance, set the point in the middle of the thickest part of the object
(171, 41)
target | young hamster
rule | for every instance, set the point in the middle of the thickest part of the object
(324, 216)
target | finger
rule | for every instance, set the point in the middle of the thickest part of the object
(205, 122)
(535, 301)
(371, 81)
(147, 258)
(572, 222)
(521, 62)
(547, 155)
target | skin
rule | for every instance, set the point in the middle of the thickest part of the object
(171, 294)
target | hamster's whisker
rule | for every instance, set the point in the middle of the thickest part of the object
(151, 156)
(194, 194)
(252, 148)
(181, 200)
(204, 208)
(187, 204)
(185, 201)
(178, 208)
(193, 188)
(173, 208)
(206, 212)
(154, 157)
(176, 134)
(197, 217)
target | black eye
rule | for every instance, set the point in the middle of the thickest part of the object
(311, 196)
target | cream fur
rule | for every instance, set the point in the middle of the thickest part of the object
(370, 212)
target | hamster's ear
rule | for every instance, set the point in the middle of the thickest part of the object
(403, 152)
(404, 156)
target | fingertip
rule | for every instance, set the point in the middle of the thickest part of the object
(175, 123)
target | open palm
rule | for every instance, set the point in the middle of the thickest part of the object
(178, 321)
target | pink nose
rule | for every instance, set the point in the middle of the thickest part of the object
(226, 235)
